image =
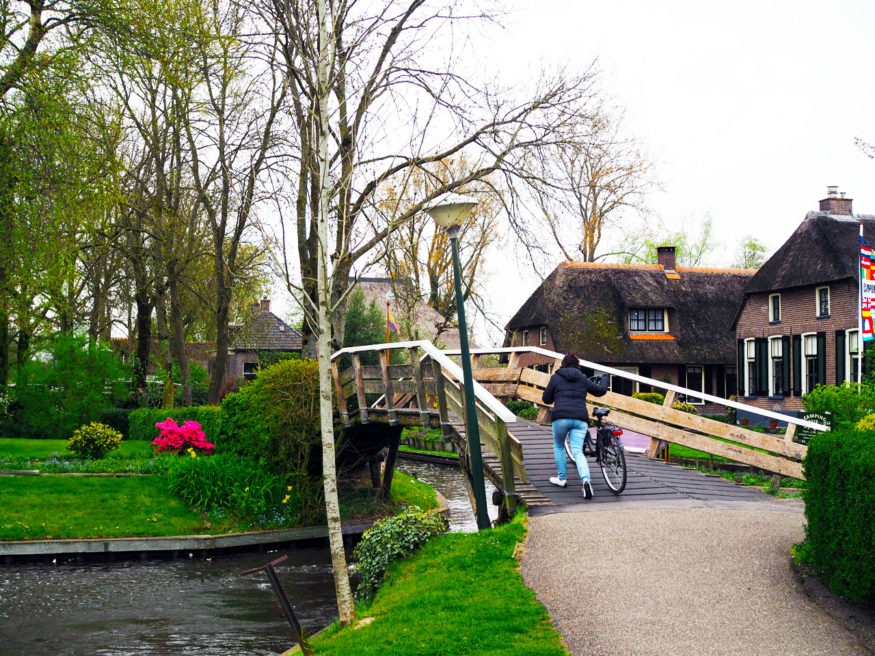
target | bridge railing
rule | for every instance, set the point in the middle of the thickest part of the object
(778, 454)
(423, 391)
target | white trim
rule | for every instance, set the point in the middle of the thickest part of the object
(696, 398)
(851, 365)
(807, 338)
(817, 292)
(776, 340)
(750, 357)
(542, 336)
(772, 315)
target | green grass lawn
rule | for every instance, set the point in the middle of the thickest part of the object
(474, 602)
(50, 506)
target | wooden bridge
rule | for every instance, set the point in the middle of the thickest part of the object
(425, 389)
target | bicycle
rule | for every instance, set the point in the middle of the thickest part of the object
(608, 450)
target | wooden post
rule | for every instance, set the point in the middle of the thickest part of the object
(441, 392)
(389, 466)
(510, 496)
(341, 397)
(387, 388)
(360, 388)
(421, 399)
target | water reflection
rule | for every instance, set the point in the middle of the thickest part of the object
(182, 607)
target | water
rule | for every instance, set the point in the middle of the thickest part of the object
(182, 607)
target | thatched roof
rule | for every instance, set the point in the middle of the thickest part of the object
(585, 308)
(824, 248)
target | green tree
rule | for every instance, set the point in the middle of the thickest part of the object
(70, 386)
(691, 248)
(365, 324)
(752, 253)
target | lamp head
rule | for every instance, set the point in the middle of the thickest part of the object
(450, 209)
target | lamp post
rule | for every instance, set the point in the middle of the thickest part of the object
(449, 212)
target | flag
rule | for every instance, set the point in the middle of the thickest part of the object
(391, 326)
(867, 291)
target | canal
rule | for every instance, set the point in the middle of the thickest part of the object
(186, 606)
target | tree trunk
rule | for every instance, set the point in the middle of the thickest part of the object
(177, 340)
(144, 337)
(164, 338)
(223, 312)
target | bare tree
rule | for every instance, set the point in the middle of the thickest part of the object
(593, 181)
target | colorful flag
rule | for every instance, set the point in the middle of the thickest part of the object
(391, 326)
(867, 291)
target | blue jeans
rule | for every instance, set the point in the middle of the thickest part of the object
(577, 428)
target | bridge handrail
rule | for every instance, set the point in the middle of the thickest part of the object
(485, 399)
(652, 382)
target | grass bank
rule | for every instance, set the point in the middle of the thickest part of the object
(474, 602)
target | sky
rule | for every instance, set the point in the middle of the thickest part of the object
(749, 109)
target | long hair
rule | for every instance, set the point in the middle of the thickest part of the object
(570, 360)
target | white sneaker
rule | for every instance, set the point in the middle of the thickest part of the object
(555, 480)
(587, 489)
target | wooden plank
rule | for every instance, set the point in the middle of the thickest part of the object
(734, 452)
(497, 375)
(387, 387)
(441, 395)
(534, 377)
(341, 397)
(418, 379)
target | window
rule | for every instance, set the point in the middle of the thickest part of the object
(852, 357)
(750, 368)
(647, 321)
(776, 366)
(542, 337)
(809, 354)
(250, 370)
(622, 385)
(695, 382)
(525, 338)
(774, 308)
(822, 295)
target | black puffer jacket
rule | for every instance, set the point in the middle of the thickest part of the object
(567, 392)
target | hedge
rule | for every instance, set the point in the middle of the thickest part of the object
(840, 509)
(141, 422)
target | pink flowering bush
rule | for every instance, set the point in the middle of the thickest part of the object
(176, 439)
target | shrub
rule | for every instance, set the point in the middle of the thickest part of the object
(840, 511)
(389, 540)
(117, 418)
(142, 421)
(275, 418)
(175, 438)
(94, 441)
(524, 409)
(848, 403)
(685, 407)
(239, 486)
(650, 397)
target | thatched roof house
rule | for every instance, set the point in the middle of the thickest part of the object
(656, 319)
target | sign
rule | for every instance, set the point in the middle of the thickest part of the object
(803, 434)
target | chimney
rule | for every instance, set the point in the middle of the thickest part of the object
(665, 256)
(265, 305)
(835, 202)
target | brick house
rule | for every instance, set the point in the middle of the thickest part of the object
(661, 321)
(797, 324)
(263, 338)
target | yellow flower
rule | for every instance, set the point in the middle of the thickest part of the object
(286, 499)
(289, 488)
(247, 489)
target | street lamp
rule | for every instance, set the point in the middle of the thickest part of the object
(449, 212)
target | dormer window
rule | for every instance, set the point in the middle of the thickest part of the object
(822, 295)
(774, 308)
(648, 321)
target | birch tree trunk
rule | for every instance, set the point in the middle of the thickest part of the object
(345, 604)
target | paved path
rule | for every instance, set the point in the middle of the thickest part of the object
(693, 577)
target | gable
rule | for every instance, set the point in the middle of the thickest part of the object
(266, 332)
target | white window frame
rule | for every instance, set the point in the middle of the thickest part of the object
(542, 336)
(750, 351)
(776, 350)
(774, 300)
(647, 318)
(695, 400)
(525, 337)
(809, 350)
(818, 293)
(630, 370)
(852, 346)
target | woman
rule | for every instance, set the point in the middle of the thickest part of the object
(567, 392)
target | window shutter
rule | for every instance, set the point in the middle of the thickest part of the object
(720, 371)
(821, 358)
(742, 371)
(785, 349)
(762, 366)
(840, 356)
(708, 385)
(797, 365)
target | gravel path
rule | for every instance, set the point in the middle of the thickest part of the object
(684, 581)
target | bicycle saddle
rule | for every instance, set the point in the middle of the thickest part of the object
(601, 412)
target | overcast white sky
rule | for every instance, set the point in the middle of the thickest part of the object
(749, 109)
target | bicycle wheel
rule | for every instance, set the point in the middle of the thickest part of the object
(587, 447)
(613, 464)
